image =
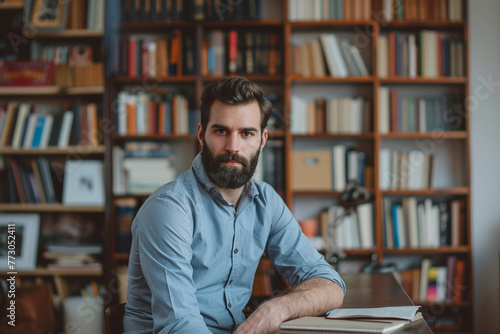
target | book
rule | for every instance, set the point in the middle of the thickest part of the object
(345, 325)
(407, 313)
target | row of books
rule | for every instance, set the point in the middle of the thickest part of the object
(64, 261)
(155, 55)
(422, 10)
(416, 113)
(62, 54)
(432, 54)
(324, 10)
(37, 126)
(348, 115)
(245, 52)
(327, 169)
(436, 282)
(343, 229)
(414, 223)
(31, 181)
(400, 169)
(270, 168)
(198, 10)
(140, 175)
(145, 113)
(85, 14)
(329, 55)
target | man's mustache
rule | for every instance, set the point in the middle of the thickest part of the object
(226, 157)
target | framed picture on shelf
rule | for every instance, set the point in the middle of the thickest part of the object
(49, 15)
(19, 241)
(83, 182)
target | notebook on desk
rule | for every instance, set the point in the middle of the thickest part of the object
(337, 325)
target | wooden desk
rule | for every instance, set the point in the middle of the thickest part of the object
(375, 290)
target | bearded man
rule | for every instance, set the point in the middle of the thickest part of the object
(197, 241)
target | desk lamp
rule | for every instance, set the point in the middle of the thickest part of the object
(353, 195)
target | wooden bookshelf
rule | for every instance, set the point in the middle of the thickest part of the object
(51, 102)
(290, 83)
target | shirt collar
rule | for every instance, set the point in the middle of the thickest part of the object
(250, 189)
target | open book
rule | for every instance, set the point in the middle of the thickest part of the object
(363, 320)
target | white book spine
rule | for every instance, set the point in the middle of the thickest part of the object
(30, 130)
(47, 130)
(383, 110)
(24, 110)
(67, 123)
(365, 218)
(339, 172)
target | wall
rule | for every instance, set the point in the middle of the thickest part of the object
(484, 99)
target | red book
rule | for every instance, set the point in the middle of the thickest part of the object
(131, 57)
(17, 179)
(233, 50)
(459, 281)
(392, 54)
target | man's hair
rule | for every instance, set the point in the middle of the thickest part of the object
(234, 90)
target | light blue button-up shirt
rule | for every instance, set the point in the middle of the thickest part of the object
(194, 256)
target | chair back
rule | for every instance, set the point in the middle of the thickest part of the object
(113, 319)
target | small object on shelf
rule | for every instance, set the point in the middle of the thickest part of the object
(19, 241)
(83, 183)
(26, 73)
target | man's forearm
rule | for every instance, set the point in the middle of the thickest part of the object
(312, 297)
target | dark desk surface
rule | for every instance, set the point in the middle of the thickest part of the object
(376, 290)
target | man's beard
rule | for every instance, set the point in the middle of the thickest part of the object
(227, 176)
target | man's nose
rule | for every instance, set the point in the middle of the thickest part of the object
(233, 143)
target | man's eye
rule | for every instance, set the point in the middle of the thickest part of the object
(220, 131)
(247, 134)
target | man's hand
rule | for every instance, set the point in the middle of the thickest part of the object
(265, 320)
(310, 298)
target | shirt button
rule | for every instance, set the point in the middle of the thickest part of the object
(236, 251)
(229, 305)
(230, 282)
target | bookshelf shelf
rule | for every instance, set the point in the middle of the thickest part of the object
(431, 135)
(244, 23)
(72, 33)
(50, 208)
(29, 90)
(90, 90)
(367, 136)
(253, 77)
(421, 80)
(438, 250)
(120, 256)
(134, 25)
(11, 6)
(427, 24)
(330, 23)
(154, 79)
(427, 192)
(49, 90)
(317, 193)
(119, 138)
(78, 150)
(301, 79)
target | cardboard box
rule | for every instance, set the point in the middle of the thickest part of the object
(312, 170)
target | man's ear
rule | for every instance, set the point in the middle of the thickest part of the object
(201, 134)
(265, 135)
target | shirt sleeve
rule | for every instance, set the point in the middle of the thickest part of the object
(164, 233)
(291, 252)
